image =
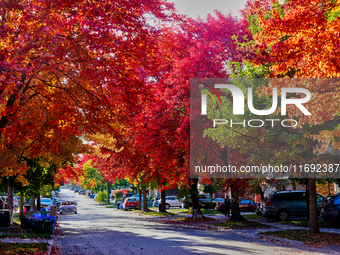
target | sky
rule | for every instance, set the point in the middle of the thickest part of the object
(203, 7)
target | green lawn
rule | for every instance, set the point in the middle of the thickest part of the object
(252, 217)
(26, 235)
(316, 240)
(111, 206)
(241, 225)
(160, 213)
(303, 223)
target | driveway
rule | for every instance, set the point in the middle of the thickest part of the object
(99, 230)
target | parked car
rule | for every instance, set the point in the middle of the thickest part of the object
(171, 201)
(204, 198)
(130, 203)
(81, 192)
(76, 190)
(330, 210)
(55, 201)
(46, 203)
(283, 204)
(16, 201)
(2, 204)
(149, 200)
(68, 207)
(245, 205)
(127, 195)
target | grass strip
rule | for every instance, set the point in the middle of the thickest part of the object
(111, 206)
(252, 217)
(44, 235)
(23, 248)
(160, 213)
(241, 225)
(302, 235)
(302, 223)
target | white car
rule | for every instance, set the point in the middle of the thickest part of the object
(68, 207)
(171, 201)
(46, 203)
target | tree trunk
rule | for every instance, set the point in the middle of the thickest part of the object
(313, 216)
(235, 208)
(162, 204)
(32, 207)
(211, 201)
(108, 192)
(194, 198)
(38, 203)
(140, 198)
(21, 205)
(194, 193)
(145, 201)
(10, 192)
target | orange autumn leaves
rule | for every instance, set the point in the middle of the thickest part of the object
(69, 68)
(301, 39)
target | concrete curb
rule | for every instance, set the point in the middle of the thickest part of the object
(50, 245)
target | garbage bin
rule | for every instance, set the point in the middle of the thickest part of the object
(5, 218)
(48, 226)
(53, 211)
(38, 227)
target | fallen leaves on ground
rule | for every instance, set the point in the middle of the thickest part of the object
(315, 240)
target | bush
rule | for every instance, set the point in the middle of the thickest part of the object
(102, 196)
(118, 195)
(208, 206)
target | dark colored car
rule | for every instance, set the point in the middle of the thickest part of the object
(2, 204)
(76, 190)
(82, 192)
(245, 205)
(330, 210)
(283, 204)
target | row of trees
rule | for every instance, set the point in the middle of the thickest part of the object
(117, 73)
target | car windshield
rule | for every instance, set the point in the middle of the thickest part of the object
(131, 200)
(47, 200)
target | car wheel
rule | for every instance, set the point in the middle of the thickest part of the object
(282, 215)
(167, 206)
(61, 213)
(75, 212)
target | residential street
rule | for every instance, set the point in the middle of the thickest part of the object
(99, 230)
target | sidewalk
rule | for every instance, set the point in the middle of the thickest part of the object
(256, 233)
(32, 240)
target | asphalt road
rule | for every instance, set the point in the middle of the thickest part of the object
(99, 230)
